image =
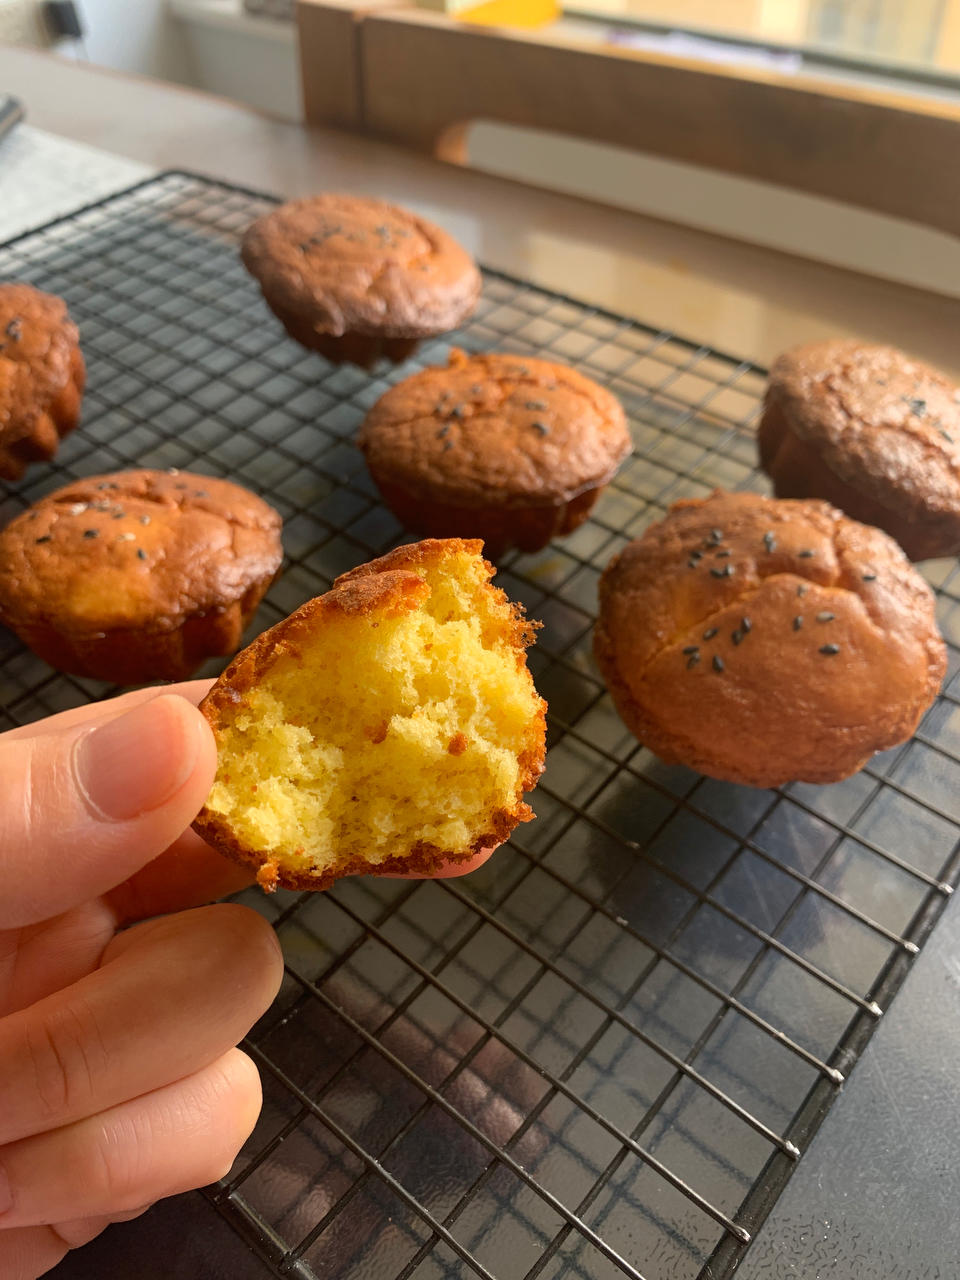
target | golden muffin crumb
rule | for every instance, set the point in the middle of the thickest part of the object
(389, 725)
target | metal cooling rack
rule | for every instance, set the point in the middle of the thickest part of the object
(602, 1054)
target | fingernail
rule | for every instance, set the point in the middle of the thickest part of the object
(135, 763)
(6, 1195)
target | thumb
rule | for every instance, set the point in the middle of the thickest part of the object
(83, 809)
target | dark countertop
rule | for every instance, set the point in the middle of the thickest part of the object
(875, 1197)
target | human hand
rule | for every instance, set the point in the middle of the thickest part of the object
(120, 1080)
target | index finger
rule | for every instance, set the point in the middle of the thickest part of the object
(192, 690)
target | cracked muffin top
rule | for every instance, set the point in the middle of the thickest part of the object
(504, 429)
(135, 549)
(765, 641)
(354, 265)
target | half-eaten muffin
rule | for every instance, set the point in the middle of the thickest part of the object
(390, 725)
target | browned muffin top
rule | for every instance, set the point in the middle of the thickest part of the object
(353, 265)
(500, 428)
(38, 357)
(37, 335)
(878, 418)
(135, 548)
(765, 640)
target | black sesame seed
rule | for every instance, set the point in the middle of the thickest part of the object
(802, 589)
(718, 663)
(722, 555)
(725, 572)
(716, 535)
(535, 406)
(746, 624)
(457, 411)
(830, 649)
(541, 428)
(118, 514)
(45, 538)
(798, 622)
(806, 554)
(825, 616)
(144, 519)
(946, 434)
(141, 554)
(696, 555)
(444, 430)
(917, 406)
(13, 329)
(692, 564)
(769, 541)
(710, 633)
(91, 533)
(692, 648)
(869, 577)
(447, 444)
(736, 636)
(693, 660)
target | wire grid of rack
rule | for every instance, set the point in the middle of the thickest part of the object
(602, 1054)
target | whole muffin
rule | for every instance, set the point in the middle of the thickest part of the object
(390, 725)
(357, 279)
(872, 431)
(42, 377)
(137, 575)
(764, 641)
(511, 450)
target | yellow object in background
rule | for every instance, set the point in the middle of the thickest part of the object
(499, 13)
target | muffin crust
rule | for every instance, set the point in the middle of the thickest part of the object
(763, 641)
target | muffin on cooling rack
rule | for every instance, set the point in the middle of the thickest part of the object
(872, 431)
(511, 450)
(42, 376)
(390, 725)
(137, 575)
(357, 279)
(765, 641)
